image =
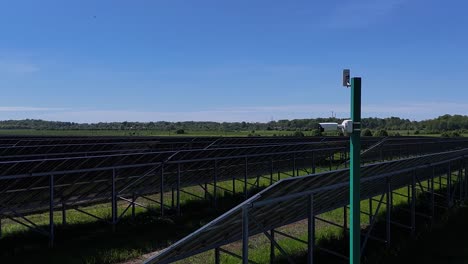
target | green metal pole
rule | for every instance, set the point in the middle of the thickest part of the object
(355, 166)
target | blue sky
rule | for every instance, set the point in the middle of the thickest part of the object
(252, 60)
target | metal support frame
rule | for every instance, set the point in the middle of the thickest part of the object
(462, 181)
(371, 226)
(273, 241)
(387, 191)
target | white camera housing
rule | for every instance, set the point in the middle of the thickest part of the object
(346, 127)
(328, 127)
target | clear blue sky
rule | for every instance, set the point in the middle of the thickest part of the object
(252, 60)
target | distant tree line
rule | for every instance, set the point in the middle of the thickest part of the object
(437, 125)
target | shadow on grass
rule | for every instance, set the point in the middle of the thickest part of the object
(96, 242)
(443, 241)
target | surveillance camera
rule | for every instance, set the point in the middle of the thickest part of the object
(328, 127)
(346, 127)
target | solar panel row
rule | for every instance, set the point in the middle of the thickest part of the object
(78, 180)
(72, 178)
(287, 201)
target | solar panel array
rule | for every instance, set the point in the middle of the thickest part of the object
(286, 201)
(78, 179)
(25, 183)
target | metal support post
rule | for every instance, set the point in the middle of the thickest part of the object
(449, 186)
(459, 182)
(172, 197)
(355, 167)
(217, 256)
(233, 186)
(178, 190)
(215, 185)
(388, 212)
(313, 162)
(51, 211)
(345, 217)
(413, 205)
(271, 171)
(64, 214)
(311, 230)
(114, 200)
(245, 235)
(133, 205)
(272, 246)
(408, 195)
(466, 180)
(161, 191)
(294, 165)
(245, 178)
(432, 195)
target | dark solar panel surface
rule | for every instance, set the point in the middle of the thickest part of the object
(330, 191)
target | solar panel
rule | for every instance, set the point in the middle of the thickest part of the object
(286, 201)
(24, 184)
(85, 179)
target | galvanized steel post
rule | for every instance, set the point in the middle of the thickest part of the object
(355, 166)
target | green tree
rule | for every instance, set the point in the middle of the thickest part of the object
(298, 134)
(366, 133)
(381, 133)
